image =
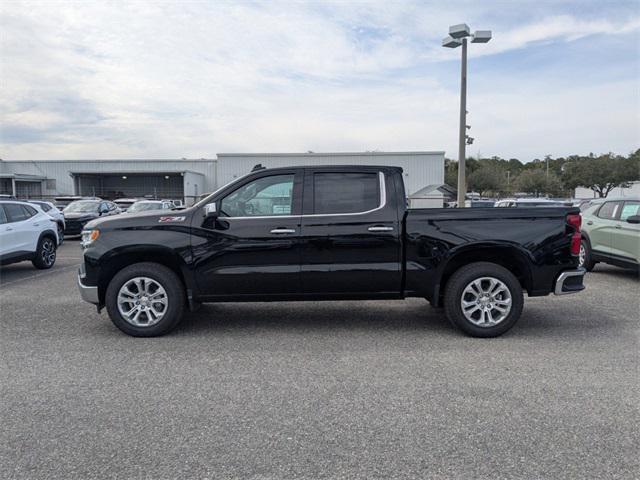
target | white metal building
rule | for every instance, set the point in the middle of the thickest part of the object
(420, 168)
(188, 178)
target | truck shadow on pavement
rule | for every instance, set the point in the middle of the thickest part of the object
(316, 316)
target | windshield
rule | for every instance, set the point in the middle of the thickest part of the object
(82, 206)
(142, 206)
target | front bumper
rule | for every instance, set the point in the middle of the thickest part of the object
(570, 281)
(88, 293)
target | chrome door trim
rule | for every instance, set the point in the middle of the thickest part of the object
(380, 229)
(383, 203)
(280, 231)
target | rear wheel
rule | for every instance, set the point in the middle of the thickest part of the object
(584, 258)
(60, 234)
(145, 300)
(483, 299)
(45, 256)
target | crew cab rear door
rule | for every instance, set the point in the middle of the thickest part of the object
(350, 233)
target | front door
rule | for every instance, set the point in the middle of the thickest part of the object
(626, 238)
(350, 234)
(253, 247)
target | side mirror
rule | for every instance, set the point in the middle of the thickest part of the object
(210, 210)
(633, 219)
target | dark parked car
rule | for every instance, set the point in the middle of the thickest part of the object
(328, 233)
(78, 213)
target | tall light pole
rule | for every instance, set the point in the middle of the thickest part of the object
(458, 37)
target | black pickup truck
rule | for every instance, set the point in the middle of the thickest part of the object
(328, 233)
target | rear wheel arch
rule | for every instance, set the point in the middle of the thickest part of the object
(47, 233)
(506, 256)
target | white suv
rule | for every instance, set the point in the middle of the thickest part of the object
(51, 210)
(27, 233)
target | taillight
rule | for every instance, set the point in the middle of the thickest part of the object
(575, 220)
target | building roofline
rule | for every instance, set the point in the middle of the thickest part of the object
(330, 154)
(114, 160)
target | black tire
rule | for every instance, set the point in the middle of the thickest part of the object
(454, 294)
(45, 256)
(60, 234)
(588, 263)
(166, 278)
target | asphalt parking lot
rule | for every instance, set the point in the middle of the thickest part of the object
(384, 389)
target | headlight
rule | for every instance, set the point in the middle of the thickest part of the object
(88, 237)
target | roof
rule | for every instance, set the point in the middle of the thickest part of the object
(327, 167)
(330, 154)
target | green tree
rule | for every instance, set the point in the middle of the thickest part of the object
(451, 172)
(537, 182)
(488, 178)
(602, 173)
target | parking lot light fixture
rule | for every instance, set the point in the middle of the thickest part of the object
(458, 35)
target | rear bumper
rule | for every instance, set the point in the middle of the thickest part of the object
(87, 292)
(570, 281)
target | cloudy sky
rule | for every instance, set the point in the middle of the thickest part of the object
(189, 79)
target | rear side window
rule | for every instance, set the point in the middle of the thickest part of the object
(335, 193)
(629, 209)
(18, 213)
(608, 210)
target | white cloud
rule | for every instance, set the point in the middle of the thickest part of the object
(192, 79)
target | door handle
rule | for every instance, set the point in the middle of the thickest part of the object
(589, 222)
(36, 224)
(9, 229)
(380, 229)
(282, 231)
(618, 226)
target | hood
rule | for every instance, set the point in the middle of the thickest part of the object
(80, 215)
(143, 219)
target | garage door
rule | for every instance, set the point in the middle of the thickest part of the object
(165, 185)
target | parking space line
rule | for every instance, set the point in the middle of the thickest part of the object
(38, 275)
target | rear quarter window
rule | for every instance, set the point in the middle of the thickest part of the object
(608, 210)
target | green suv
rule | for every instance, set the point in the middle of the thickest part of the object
(611, 233)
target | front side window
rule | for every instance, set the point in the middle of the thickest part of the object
(629, 209)
(44, 206)
(608, 210)
(335, 193)
(266, 196)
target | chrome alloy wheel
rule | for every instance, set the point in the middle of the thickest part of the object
(582, 256)
(486, 301)
(142, 301)
(48, 253)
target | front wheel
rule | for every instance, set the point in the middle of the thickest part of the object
(145, 300)
(483, 299)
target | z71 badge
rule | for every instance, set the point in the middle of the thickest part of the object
(171, 219)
